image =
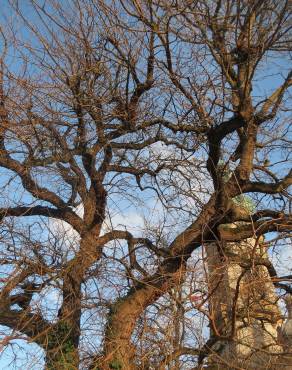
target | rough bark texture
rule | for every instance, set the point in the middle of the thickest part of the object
(62, 347)
(243, 305)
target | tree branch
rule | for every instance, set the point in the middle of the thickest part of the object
(269, 188)
(62, 214)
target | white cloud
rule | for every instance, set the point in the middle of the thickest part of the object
(131, 221)
(64, 231)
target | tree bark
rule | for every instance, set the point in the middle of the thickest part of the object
(63, 339)
(62, 348)
(245, 316)
(118, 350)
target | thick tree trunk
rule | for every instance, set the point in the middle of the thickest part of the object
(118, 350)
(63, 340)
(62, 348)
(243, 306)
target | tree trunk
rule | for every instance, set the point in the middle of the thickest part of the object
(123, 315)
(63, 339)
(243, 306)
(62, 349)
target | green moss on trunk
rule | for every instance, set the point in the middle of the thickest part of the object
(61, 352)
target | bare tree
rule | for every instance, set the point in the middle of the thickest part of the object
(178, 109)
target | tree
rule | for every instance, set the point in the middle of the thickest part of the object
(179, 106)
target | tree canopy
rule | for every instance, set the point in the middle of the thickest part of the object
(131, 133)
